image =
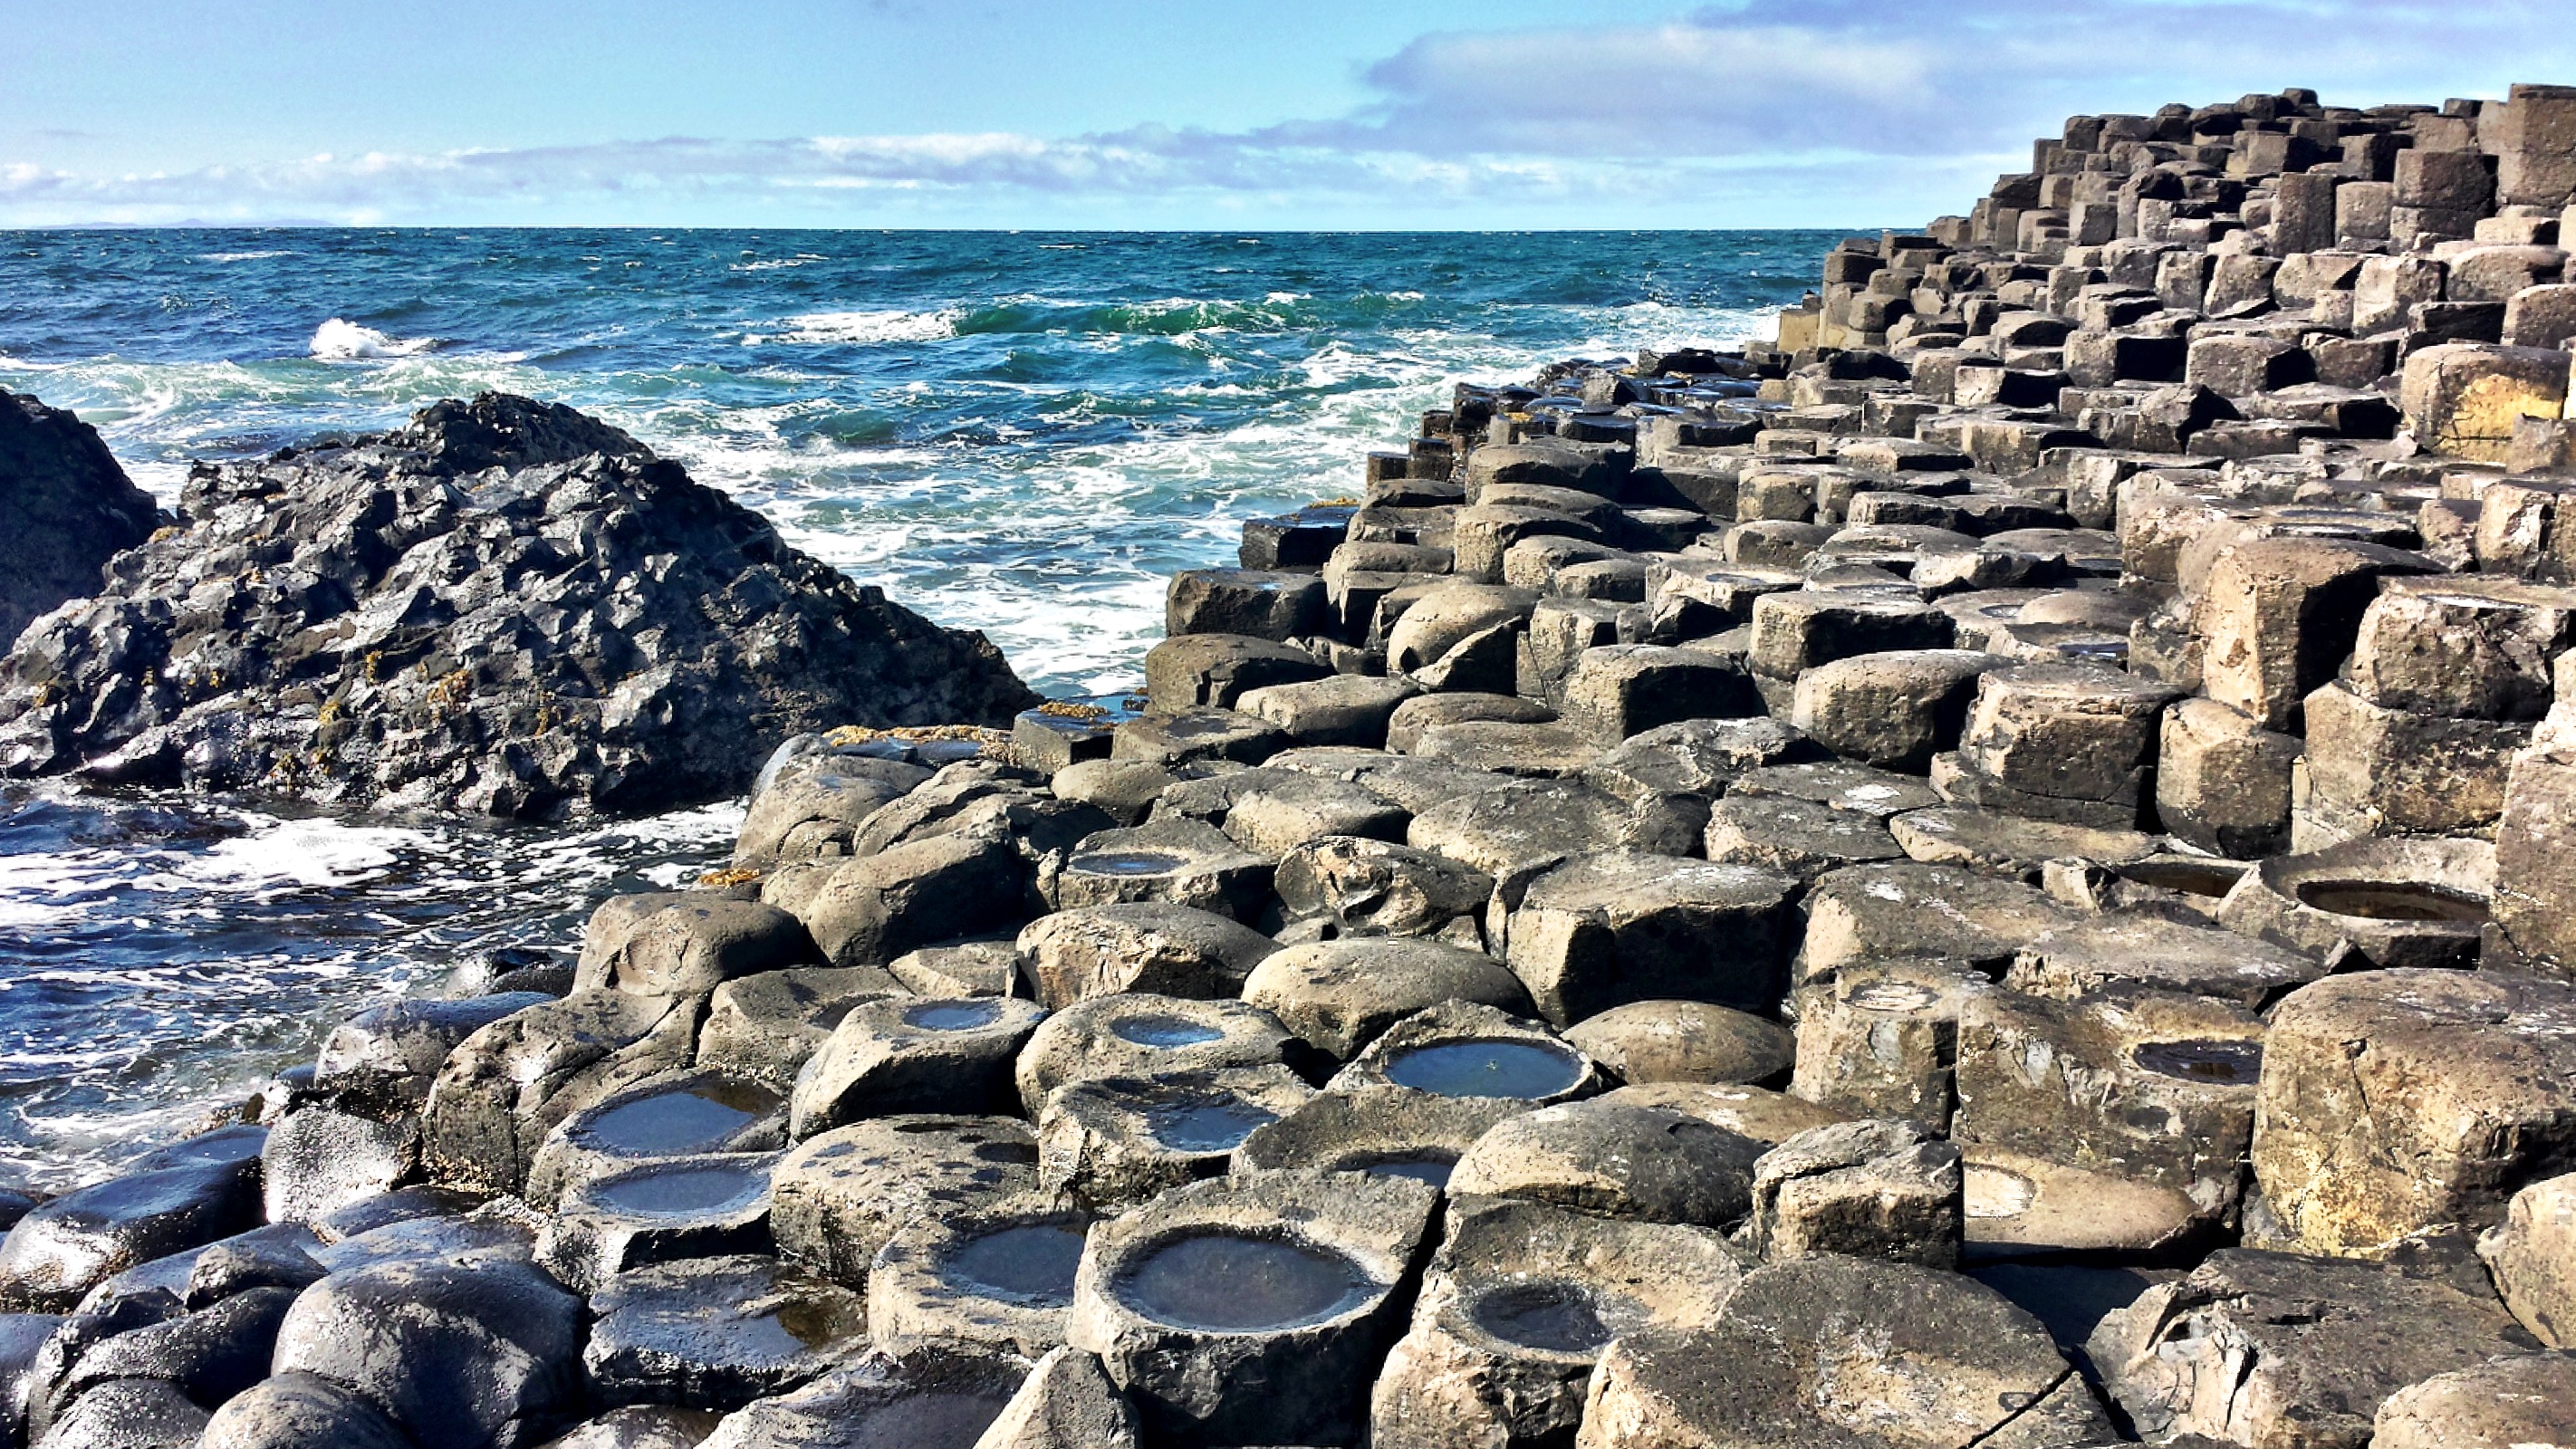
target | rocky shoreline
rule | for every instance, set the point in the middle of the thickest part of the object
(1988, 873)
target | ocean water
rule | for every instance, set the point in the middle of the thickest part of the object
(1024, 433)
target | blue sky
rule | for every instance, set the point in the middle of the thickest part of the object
(1147, 113)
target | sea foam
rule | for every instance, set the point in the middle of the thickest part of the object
(340, 340)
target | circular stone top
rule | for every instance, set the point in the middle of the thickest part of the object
(1229, 1282)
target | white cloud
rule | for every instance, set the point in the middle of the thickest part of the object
(1754, 104)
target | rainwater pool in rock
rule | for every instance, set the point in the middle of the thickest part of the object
(1483, 1068)
(1238, 1283)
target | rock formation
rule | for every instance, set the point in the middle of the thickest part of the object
(1991, 872)
(505, 607)
(65, 507)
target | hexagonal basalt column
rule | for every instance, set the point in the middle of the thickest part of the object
(1253, 1308)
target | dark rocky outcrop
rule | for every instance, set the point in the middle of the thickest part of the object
(65, 507)
(504, 607)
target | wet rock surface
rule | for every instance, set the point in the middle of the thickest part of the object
(431, 618)
(65, 506)
(1993, 871)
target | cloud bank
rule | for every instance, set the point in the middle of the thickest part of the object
(1735, 113)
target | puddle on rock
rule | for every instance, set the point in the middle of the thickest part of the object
(679, 1123)
(1031, 1263)
(2393, 901)
(953, 1015)
(1555, 1316)
(1217, 1125)
(680, 1191)
(2217, 1061)
(1234, 1283)
(1493, 1067)
(1162, 1031)
(1127, 863)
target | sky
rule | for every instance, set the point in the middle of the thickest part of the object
(1115, 114)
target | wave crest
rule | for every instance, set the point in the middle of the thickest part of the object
(861, 328)
(341, 340)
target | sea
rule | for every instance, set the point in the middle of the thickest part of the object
(1020, 432)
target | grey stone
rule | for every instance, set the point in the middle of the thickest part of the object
(716, 1333)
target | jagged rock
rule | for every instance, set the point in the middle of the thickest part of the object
(2275, 1348)
(1067, 1402)
(503, 607)
(1871, 1188)
(65, 507)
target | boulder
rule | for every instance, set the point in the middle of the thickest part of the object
(1605, 929)
(2532, 1257)
(1148, 947)
(479, 1353)
(65, 507)
(1338, 995)
(684, 943)
(504, 607)
(1686, 1041)
(1648, 1164)
(838, 1198)
(912, 1054)
(2276, 1348)
(1946, 1363)
(941, 1396)
(1136, 1034)
(1000, 1276)
(294, 1410)
(2392, 1102)
(2526, 1398)
(179, 1197)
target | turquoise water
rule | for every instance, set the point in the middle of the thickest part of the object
(1023, 433)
